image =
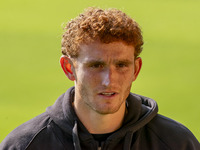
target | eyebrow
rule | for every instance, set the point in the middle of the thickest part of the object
(99, 61)
(126, 61)
(91, 62)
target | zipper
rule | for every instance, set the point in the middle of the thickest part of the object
(99, 148)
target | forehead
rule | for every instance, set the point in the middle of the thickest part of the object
(99, 50)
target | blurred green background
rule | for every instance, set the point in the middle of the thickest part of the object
(31, 78)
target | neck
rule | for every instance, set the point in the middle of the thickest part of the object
(97, 123)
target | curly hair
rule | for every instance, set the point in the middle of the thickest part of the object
(107, 25)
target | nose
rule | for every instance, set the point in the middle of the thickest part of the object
(108, 77)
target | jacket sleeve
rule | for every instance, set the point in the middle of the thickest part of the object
(21, 136)
(173, 134)
(190, 143)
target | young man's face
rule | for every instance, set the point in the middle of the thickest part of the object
(103, 76)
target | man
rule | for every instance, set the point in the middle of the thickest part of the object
(101, 55)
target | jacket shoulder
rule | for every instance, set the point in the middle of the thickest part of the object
(173, 134)
(22, 136)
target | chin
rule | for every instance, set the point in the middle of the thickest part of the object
(107, 110)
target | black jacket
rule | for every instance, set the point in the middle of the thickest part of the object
(60, 129)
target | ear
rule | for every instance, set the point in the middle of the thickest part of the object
(65, 63)
(138, 65)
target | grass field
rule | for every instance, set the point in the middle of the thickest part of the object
(31, 77)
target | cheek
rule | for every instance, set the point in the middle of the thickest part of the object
(126, 82)
(132, 75)
(88, 78)
(127, 77)
(92, 79)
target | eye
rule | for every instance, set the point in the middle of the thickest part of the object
(97, 65)
(121, 65)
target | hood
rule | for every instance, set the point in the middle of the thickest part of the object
(62, 112)
(141, 110)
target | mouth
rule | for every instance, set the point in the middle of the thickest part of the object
(107, 94)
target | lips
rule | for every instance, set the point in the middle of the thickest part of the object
(108, 93)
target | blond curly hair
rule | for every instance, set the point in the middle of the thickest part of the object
(107, 25)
